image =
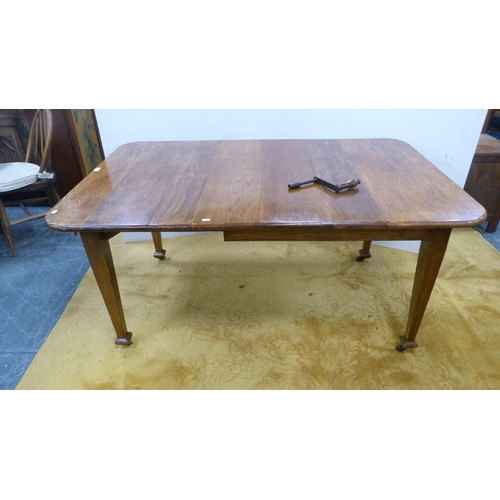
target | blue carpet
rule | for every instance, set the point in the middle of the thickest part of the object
(492, 238)
(35, 288)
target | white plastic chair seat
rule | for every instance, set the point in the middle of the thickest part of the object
(17, 175)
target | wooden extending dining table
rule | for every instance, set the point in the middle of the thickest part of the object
(241, 187)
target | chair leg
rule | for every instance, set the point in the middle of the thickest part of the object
(52, 195)
(6, 228)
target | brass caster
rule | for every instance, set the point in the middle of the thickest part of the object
(406, 344)
(127, 340)
(363, 256)
(159, 255)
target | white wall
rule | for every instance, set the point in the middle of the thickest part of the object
(447, 138)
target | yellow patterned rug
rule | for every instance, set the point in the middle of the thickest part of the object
(277, 315)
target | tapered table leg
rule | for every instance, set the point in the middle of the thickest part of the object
(159, 251)
(100, 258)
(429, 262)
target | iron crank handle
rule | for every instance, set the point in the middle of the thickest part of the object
(296, 185)
(337, 188)
(349, 184)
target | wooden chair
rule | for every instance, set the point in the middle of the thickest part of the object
(34, 174)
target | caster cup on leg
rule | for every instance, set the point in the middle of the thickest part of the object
(127, 340)
(406, 344)
(159, 251)
(364, 253)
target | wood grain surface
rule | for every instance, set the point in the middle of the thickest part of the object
(232, 185)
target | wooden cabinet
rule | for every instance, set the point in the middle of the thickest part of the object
(483, 181)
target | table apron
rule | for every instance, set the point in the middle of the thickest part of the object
(328, 234)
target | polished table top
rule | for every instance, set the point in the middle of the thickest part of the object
(241, 188)
(232, 185)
